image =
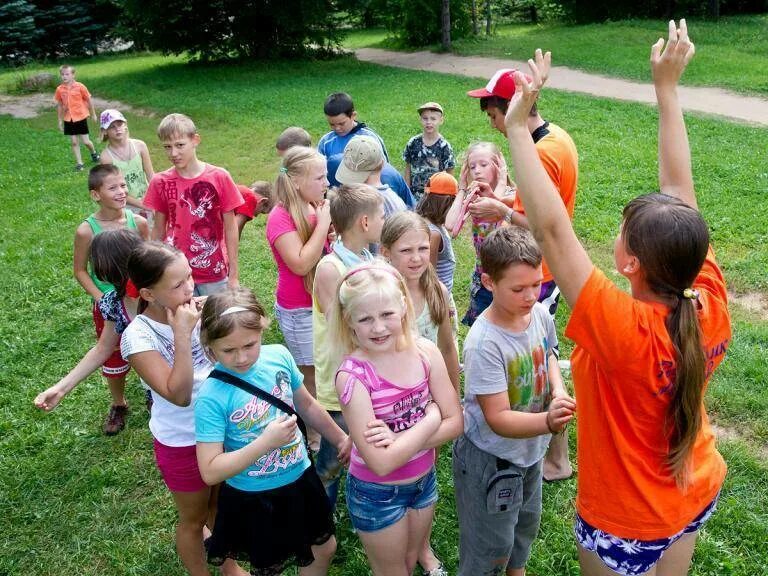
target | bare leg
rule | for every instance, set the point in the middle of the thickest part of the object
(677, 559)
(323, 556)
(556, 463)
(591, 565)
(87, 142)
(117, 390)
(309, 384)
(76, 149)
(193, 512)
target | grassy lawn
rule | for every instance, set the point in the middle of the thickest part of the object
(76, 502)
(730, 53)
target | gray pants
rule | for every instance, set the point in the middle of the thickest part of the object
(499, 508)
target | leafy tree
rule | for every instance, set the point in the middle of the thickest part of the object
(17, 31)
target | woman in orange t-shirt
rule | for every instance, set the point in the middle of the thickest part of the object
(649, 473)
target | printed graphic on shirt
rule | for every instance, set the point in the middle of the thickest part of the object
(253, 418)
(408, 411)
(667, 372)
(527, 380)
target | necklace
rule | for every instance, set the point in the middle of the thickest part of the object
(125, 157)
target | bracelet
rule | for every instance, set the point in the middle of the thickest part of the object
(549, 426)
(508, 216)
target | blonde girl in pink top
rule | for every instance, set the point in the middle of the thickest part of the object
(297, 232)
(399, 405)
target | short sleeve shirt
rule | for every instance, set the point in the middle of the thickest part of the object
(426, 160)
(112, 308)
(227, 414)
(499, 360)
(74, 100)
(194, 209)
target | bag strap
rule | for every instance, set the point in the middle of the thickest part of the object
(263, 394)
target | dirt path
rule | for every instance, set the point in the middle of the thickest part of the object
(707, 100)
(30, 105)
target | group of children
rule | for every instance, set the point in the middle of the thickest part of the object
(369, 378)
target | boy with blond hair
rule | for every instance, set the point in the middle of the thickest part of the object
(73, 103)
(194, 204)
(357, 213)
(427, 153)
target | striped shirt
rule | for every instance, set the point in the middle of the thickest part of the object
(446, 260)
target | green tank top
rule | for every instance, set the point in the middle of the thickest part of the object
(133, 170)
(130, 223)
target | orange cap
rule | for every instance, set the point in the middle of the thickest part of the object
(442, 183)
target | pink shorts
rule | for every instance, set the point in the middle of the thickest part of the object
(178, 467)
(115, 366)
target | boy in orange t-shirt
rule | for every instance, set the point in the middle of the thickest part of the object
(73, 103)
(649, 471)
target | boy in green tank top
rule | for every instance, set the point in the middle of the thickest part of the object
(109, 190)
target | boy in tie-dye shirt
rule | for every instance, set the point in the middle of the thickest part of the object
(514, 401)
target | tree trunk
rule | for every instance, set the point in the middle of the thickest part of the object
(475, 27)
(446, 24)
(488, 21)
(713, 9)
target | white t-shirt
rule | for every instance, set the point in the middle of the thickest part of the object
(170, 424)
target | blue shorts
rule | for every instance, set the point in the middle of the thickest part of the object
(373, 506)
(632, 557)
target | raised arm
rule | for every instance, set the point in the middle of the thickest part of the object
(675, 175)
(547, 217)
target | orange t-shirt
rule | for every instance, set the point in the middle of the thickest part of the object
(623, 372)
(561, 161)
(74, 99)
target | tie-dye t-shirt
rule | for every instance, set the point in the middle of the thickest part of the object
(498, 360)
(225, 413)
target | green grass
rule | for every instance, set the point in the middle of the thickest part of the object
(730, 53)
(77, 502)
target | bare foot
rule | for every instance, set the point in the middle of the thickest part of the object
(557, 471)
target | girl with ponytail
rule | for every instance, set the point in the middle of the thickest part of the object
(649, 471)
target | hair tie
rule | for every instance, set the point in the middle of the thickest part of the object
(691, 294)
(130, 289)
(283, 170)
(388, 268)
(232, 310)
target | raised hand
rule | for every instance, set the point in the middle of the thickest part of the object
(323, 212)
(184, 319)
(527, 90)
(667, 65)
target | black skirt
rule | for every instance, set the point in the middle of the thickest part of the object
(272, 529)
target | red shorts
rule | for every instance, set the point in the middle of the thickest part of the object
(252, 201)
(178, 467)
(115, 366)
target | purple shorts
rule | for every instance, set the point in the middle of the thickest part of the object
(178, 467)
(632, 557)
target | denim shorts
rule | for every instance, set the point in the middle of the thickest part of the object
(632, 557)
(373, 506)
(296, 326)
(208, 288)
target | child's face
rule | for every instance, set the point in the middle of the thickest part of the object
(112, 193)
(517, 290)
(342, 123)
(238, 350)
(378, 323)
(409, 254)
(496, 118)
(181, 150)
(374, 222)
(67, 75)
(175, 286)
(117, 130)
(313, 185)
(431, 121)
(482, 166)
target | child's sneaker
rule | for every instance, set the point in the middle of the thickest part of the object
(79, 167)
(95, 156)
(115, 420)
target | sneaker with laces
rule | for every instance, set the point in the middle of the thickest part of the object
(438, 571)
(148, 399)
(79, 167)
(115, 420)
(95, 156)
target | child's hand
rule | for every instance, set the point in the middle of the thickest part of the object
(279, 432)
(668, 66)
(379, 434)
(488, 209)
(344, 449)
(560, 412)
(184, 318)
(527, 91)
(500, 163)
(464, 177)
(49, 399)
(323, 212)
(199, 301)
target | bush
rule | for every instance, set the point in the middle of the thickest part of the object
(418, 22)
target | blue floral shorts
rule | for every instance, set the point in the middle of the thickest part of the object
(632, 557)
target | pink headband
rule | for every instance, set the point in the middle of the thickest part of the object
(387, 269)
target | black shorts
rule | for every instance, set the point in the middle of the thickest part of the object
(76, 128)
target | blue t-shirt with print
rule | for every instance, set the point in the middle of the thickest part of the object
(225, 413)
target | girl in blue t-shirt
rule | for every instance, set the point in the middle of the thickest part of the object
(272, 508)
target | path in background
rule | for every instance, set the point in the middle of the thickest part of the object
(714, 101)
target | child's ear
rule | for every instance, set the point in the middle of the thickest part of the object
(95, 196)
(353, 115)
(631, 266)
(384, 252)
(196, 139)
(146, 294)
(486, 281)
(364, 222)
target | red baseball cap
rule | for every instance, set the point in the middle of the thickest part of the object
(501, 84)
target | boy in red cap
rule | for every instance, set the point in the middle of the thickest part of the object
(560, 159)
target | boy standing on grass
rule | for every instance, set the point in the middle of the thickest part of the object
(73, 103)
(109, 190)
(194, 204)
(514, 401)
(342, 118)
(427, 153)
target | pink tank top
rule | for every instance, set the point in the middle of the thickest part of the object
(399, 407)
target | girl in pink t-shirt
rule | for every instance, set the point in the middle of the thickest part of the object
(399, 405)
(297, 232)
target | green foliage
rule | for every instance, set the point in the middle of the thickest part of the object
(602, 10)
(220, 29)
(418, 22)
(17, 31)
